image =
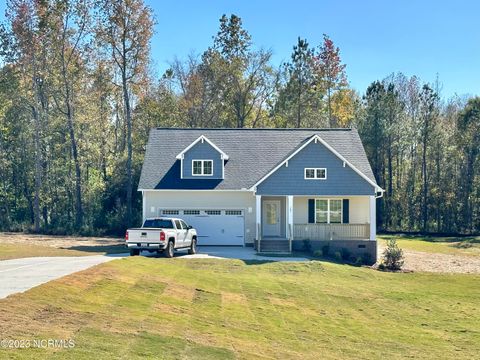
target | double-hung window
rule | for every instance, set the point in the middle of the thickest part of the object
(328, 211)
(315, 174)
(202, 167)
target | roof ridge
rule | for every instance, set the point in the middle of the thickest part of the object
(256, 129)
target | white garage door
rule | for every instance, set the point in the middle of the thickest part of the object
(214, 227)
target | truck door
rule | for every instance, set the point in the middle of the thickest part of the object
(181, 234)
(188, 234)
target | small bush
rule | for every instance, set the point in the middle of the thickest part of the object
(337, 255)
(367, 258)
(307, 246)
(358, 261)
(318, 253)
(326, 250)
(392, 256)
(345, 254)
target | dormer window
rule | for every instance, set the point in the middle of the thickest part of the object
(202, 167)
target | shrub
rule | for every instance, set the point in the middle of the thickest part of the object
(326, 250)
(345, 254)
(337, 255)
(367, 258)
(307, 246)
(358, 261)
(318, 253)
(392, 256)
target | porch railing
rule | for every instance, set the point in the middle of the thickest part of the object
(331, 231)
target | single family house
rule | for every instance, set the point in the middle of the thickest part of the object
(268, 188)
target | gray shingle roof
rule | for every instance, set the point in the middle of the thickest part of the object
(253, 153)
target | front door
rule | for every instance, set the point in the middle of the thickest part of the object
(271, 218)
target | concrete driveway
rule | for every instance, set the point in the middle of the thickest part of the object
(18, 275)
(232, 252)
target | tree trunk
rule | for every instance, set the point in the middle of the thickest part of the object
(73, 144)
(38, 170)
(425, 184)
(128, 118)
(299, 105)
(329, 93)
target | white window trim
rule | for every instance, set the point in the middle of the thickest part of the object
(202, 167)
(328, 210)
(202, 138)
(315, 174)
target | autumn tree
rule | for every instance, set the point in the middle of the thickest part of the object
(330, 73)
(126, 27)
(25, 48)
(68, 22)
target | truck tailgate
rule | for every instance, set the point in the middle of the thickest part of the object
(144, 235)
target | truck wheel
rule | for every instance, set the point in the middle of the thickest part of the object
(170, 249)
(134, 252)
(193, 247)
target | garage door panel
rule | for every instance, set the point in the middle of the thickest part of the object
(217, 229)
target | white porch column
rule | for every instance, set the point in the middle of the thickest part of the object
(373, 218)
(144, 207)
(289, 221)
(258, 215)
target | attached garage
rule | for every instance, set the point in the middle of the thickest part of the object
(214, 226)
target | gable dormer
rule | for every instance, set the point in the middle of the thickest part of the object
(202, 159)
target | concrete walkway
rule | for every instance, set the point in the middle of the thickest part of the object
(18, 275)
(232, 252)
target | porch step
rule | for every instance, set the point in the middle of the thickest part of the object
(274, 246)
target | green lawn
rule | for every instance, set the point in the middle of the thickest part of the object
(469, 246)
(138, 308)
(15, 251)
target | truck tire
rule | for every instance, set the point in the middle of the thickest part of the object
(170, 249)
(134, 252)
(193, 247)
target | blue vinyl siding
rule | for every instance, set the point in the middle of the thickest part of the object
(290, 180)
(202, 151)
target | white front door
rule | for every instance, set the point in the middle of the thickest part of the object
(271, 218)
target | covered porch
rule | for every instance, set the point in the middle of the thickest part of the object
(285, 222)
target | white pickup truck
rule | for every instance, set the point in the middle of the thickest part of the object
(162, 234)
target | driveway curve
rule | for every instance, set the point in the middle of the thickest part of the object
(18, 275)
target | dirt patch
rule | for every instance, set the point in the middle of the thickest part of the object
(179, 292)
(89, 244)
(233, 298)
(436, 262)
(281, 302)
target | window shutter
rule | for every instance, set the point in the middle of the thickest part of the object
(311, 211)
(346, 211)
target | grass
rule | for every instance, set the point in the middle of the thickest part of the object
(137, 308)
(467, 246)
(16, 251)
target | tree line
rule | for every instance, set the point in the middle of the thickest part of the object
(78, 97)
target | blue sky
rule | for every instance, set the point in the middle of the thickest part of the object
(375, 38)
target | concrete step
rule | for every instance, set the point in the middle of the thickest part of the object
(274, 246)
